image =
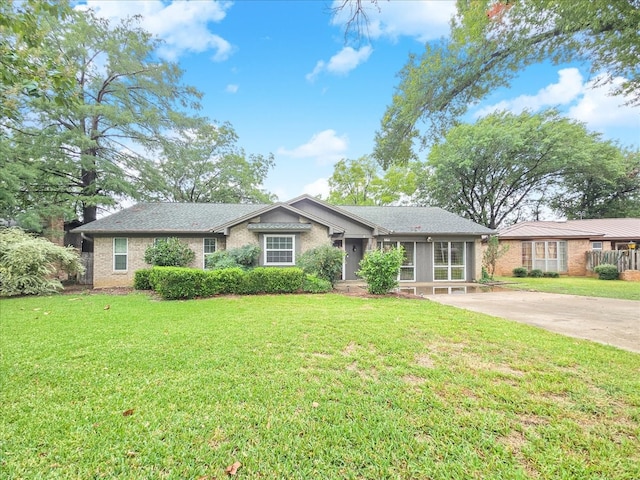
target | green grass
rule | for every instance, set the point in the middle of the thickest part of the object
(585, 286)
(305, 387)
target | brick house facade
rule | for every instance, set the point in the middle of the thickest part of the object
(439, 245)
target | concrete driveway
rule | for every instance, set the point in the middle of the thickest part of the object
(604, 320)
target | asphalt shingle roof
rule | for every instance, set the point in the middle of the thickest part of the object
(431, 220)
(206, 217)
(169, 218)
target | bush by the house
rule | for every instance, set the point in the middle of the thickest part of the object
(323, 262)
(223, 281)
(551, 275)
(607, 271)
(313, 284)
(141, 279)
(245, 257)
(178, 283)
(380, 269)
(27, 263)
(273, 280)
(520, 272)
(536, 273)
(174, 283)
(169, 253)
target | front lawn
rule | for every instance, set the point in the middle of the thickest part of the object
(586, 286)
(305, 387)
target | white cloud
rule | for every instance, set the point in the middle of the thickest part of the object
(566, 90)
(184, 26)
(424, 20)
(342, 62)
(588, 102)
(325, 147)
(318, 188)
(598, 108)
(231, 88)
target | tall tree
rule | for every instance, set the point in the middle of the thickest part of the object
(360, 182)
(606, 186)
(490, 42)
(93, 152)
(202, 163)
(504, 164)
(26, 67)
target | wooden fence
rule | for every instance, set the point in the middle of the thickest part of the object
(87, 261)
(624, 259)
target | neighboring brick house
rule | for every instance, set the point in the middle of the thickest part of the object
(561, 246)
(439, 245)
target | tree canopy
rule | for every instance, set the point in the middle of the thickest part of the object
(360, 182)
(506, 167)
(490, 43)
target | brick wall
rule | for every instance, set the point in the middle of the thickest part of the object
(576, 258)
(105, 276)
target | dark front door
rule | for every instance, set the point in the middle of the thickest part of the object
(353, 247)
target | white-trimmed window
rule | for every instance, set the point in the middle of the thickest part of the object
(209, 246)
(596, 245)
(407, 271)
(548, 256)
(279, 249)
(120, 254)
(449, 261)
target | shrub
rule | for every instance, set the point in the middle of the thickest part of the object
(28, 263)
(520, 272)
(607, 271)
(536, 273)
(141, 279)
(223, 281)
(174, 283)
(313, 284)
(169, 253)
(380, 269)
(490, 257)
(273, 280)
(551, 275)
(323, 262)
(245, 257)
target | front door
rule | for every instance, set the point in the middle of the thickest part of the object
(354, 250)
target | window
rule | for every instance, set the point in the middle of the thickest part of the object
(208, 247)
(596, 245)
(279, 250)
(547, 255)
(407, 271)
(120, 254)
(449, 261)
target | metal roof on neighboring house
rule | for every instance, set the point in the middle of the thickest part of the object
(603, 228)
(411, 220)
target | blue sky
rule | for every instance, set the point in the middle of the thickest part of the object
(281, 73)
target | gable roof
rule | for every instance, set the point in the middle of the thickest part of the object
(425, 220)
(185, 218)
(169, 218)
(601, 229)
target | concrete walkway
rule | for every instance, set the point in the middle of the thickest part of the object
(604, 320)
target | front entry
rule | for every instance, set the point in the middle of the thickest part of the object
(355, 251)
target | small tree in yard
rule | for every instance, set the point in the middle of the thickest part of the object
(323, 262)
(169, 253)
(28, 263)
(492, 254)
(380, 269)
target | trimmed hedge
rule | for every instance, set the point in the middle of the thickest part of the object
(141, 280)
(607, 271)
(180, 283)
(520, 272)
(536, 273)
(313, 284)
